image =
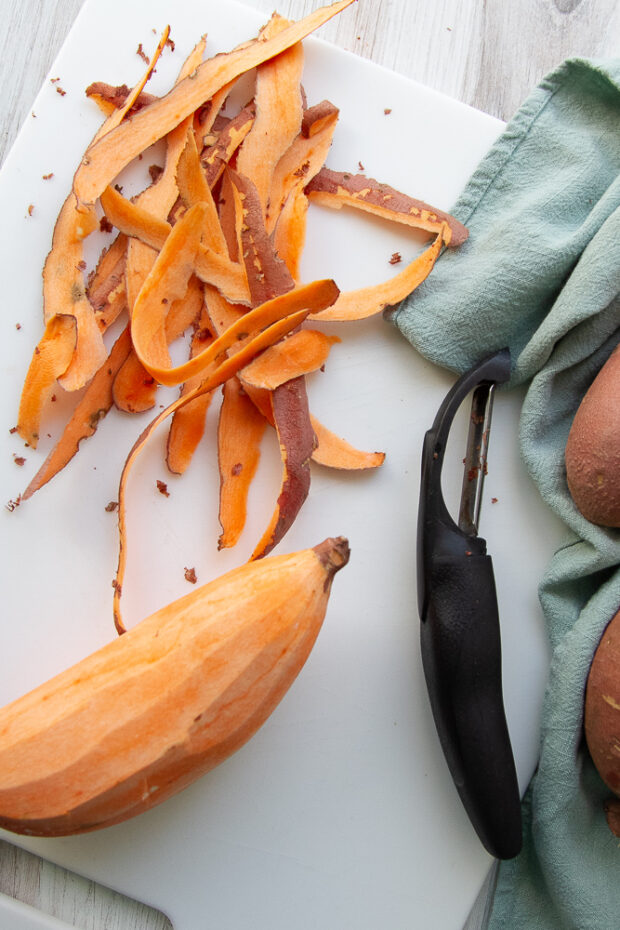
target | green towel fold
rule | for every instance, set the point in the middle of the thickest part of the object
(540, 273)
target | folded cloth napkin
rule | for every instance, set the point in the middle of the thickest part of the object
(540, 273)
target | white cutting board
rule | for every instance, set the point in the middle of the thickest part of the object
(340, 812)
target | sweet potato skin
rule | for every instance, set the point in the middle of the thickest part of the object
(592, 452)
(602, 708)
(150, 712)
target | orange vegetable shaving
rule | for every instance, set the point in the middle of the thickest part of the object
(211, 266)
(109, 155)
(240, 431)
(216, 375)
(297, 442)
(298, 354)
(366, 301)
(218, 154)
(94, 404)
(50, 359)
(135, 389)
(334, 452)
(214, 242)
(64, 292)
(337, 189)
(188, 422)
(278, 113)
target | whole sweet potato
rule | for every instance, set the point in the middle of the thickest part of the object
(602, 714)
(593, 448)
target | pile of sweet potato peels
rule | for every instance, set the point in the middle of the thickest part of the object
(211, 247)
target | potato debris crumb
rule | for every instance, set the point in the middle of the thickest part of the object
(54, 80)
(396, 258)
(19, 460)
(105, 225)
(387, 111)
(494, 500)
(46, 177)
(30, 209)
(140, 51)
(111, 507)
(360, 166)
(155, 171)
(162, 487)
(18, 326)
(60, 91)
(13, 504)
(190, 575)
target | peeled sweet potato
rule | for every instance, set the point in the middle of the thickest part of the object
(602, 713)
(592, 452)
(149, 713)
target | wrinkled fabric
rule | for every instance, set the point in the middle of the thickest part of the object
(540, 273)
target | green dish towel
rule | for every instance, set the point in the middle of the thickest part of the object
(540, 274)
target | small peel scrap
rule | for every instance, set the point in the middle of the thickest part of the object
(210, 251)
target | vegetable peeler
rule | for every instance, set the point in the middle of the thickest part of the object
(459, 621)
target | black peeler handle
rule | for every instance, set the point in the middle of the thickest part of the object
(460, 639)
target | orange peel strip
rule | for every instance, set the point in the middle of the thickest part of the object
(366, 301)
(279, 112)
(188, 422)
(50, 359)
(213, 378)
(135, 390)
(298, 354)
(93, 405)
(211, 267)
(334, 452)
(297, 442)
(169, 274)
(240, 431)
(105, 159)
(336, 189)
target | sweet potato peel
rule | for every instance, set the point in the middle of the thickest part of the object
(50, 360)
(240, 431)
(92, 407)
(107, 157)
(367, 301)
(337, 189)
(210, 253)
(297, 355)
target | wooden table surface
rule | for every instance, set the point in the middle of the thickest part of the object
(486, 53)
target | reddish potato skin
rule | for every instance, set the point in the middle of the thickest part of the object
(602, 713)
(593, 448)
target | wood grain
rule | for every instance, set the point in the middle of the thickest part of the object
(485, 53)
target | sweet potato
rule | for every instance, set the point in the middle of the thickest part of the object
(602, 711)
(592, 452)
(149, 713)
